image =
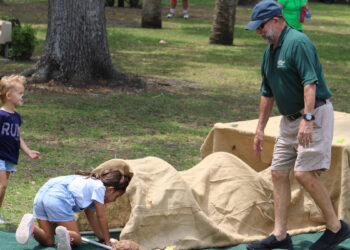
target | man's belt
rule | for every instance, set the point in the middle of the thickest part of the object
(298, 114)
(294, 116)
(319, 103)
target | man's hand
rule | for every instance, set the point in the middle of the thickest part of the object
(305, 133)
(258, 142)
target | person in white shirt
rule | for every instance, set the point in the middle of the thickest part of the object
(60, 197)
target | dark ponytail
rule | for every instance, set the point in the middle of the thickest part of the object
(110, 178)
(87, 173)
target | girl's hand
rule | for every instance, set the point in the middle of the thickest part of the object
(111, 242)
(34, 154)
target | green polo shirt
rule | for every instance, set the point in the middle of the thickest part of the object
(286, 69)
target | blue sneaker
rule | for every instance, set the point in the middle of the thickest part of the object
(330, 240)
(270, 243)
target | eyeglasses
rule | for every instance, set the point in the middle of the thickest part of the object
(265, 22)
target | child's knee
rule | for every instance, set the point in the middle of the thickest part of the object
(3, 187)
(48, 242)
(77, 240)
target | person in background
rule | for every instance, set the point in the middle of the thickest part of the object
(60, 197)
(292, 75)
(184, 7)
(291, 10)
(11, 95)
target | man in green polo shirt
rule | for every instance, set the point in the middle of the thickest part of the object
(292, 76)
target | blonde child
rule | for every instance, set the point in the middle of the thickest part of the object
(60, 197)
(11, 95)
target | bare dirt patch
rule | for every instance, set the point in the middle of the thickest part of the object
(152, 85)
(36, 13)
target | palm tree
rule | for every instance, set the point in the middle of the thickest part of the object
(224, 22)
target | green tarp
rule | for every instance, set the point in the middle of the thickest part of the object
(300, 242)
(8, 242)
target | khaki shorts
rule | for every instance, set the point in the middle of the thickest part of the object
(289, 154)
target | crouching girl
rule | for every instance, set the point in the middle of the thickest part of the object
(60, 197)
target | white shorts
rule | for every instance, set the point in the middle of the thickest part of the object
(289, 154)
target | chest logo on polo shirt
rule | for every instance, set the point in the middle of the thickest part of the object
(281, 64)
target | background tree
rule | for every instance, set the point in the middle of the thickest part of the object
(224, 22)
(110, 3)
(247, 2)
(121, 3)
(134, 3)
(76, 49)
(151, 14)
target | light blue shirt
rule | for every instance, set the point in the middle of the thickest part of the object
(87, 190)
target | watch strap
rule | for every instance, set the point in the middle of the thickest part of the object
(308, 117)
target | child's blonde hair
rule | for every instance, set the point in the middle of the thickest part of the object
(8, 82)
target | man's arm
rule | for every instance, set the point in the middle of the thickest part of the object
(266, 105)
(306, 127)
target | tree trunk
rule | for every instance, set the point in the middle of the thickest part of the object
(76, 49)
(134, 3)
(109, 3)
(224, 22)
(247, 2)
(121, 3)
(151, 14)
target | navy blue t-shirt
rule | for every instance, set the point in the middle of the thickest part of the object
(9, 136)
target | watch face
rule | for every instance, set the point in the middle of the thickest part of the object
(308, 117)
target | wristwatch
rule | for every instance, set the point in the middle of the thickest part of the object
(308, 117)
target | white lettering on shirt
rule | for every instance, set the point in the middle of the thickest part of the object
(10, 129)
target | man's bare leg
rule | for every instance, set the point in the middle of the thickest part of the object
(281, 196)
(319, 193)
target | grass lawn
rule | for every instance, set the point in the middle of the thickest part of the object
(192, 85)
